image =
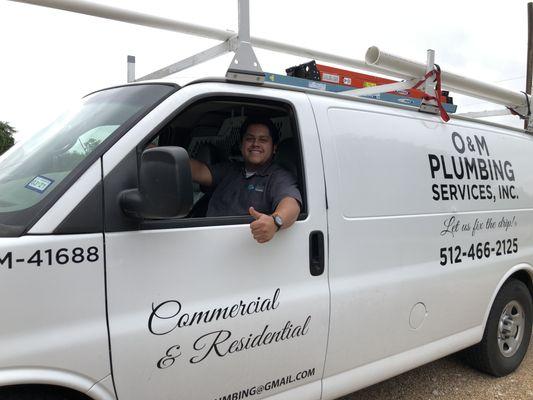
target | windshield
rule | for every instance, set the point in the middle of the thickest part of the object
(32, 170)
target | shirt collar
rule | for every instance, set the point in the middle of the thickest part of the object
(264, 170)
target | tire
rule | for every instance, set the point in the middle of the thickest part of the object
(507, 333)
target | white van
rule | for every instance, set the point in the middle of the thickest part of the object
(414, 242)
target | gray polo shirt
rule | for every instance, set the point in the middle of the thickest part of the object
(234, 193)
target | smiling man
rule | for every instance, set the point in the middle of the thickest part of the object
(257, 186)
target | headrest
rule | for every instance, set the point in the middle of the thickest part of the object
(287, 155)
(209, 154)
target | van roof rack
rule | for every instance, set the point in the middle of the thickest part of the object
(245, 66)
(392, 96)
(347, 82)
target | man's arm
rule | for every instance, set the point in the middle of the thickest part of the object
(264, 228)
(200, 173)
(288, 209)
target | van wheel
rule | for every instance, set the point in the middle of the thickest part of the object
(507, 334)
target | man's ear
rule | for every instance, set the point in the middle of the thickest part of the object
(275, 148)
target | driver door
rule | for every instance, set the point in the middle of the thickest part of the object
(198, 309)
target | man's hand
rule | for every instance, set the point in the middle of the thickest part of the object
(263, 228)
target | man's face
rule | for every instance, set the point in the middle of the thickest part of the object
(257, 146)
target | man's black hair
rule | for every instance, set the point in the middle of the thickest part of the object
(272, 129)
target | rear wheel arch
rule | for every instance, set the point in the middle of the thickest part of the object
(526, 277)
(507, 330)
(522, 272)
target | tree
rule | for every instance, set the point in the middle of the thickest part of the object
(6, 136)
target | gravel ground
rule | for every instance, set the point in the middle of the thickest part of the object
(450, 379)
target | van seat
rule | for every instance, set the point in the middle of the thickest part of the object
(287, 155)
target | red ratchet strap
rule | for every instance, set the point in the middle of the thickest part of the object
(443, 114)
(514, 112)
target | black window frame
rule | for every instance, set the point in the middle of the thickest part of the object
(121, 175)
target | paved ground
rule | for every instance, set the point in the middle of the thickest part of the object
(450, 379)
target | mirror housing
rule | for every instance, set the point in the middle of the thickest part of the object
(165, 185)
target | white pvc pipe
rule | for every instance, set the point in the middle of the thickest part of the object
(132, 17)
(153, 21)
(460, 84)
(376, 60)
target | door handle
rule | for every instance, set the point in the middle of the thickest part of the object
(316, 253)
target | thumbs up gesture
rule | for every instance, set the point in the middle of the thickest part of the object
(263, 228)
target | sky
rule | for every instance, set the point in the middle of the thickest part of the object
(51, 58)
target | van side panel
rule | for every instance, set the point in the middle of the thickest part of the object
(425, 218)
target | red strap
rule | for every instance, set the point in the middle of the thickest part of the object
(528, 115)
(443, 114)
(513, 112)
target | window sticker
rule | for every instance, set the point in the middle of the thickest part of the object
(317, 85)
(39, 184)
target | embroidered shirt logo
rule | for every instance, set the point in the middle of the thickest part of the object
(257, 188)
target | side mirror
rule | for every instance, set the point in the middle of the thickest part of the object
(165, 186)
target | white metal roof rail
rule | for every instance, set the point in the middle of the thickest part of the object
(247, 67)
(486, 113)
(243, 67)
(457, 83)
(429, 104)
